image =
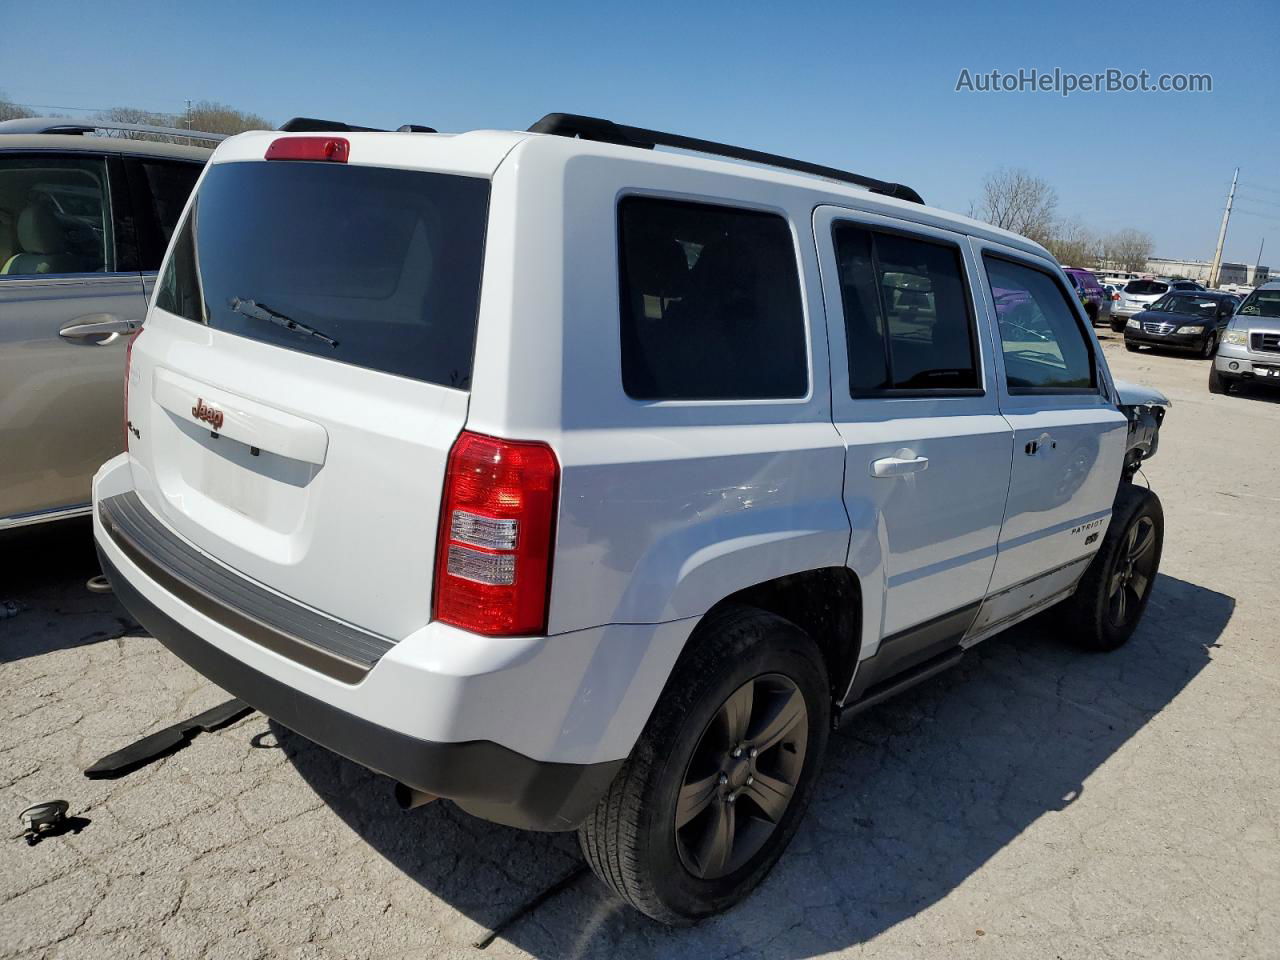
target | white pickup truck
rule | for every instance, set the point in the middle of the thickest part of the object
(589, 485)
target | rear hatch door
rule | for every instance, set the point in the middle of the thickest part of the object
(304, 372)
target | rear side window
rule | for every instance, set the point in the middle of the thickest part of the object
(372, 267)
(1045, 350)
(710, 301)
(906, 313)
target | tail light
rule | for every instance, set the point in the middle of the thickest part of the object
(1115, 296)
(333, 149)
(128, 366)
(496, 537)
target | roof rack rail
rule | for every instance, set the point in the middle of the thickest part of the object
(312, 125)
(62, 125)
(606, 131)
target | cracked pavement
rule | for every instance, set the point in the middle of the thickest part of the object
(1034, 801)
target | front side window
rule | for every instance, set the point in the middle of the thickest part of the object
(906, 311)
(373, 267)
(55, 215)
(710, 303)
(1045, 350)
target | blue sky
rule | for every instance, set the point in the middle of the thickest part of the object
(868, 87)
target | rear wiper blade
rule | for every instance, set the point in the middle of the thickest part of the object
(260, 311)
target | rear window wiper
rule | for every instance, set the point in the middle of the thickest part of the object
(260, 311)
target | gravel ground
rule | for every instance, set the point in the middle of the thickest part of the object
(1034, 802)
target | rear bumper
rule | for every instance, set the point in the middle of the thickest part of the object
(526, 731)
(486, 779)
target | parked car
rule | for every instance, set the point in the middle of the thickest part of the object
(1250, 348)
(520, 467)
(1138, 295)
(1097, 304)
(84, 221)
(1181, 321)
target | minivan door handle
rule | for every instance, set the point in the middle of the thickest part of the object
(105, 325)
(899, 465)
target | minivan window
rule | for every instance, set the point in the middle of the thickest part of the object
(1045, 350)
(710, 303)
(160, 189)
(55, 215)
(368, 266)
(907, 320)
(1145, 288)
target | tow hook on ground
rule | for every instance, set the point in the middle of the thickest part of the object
(166, 741)
(48, 819)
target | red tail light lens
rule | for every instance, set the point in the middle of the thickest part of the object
(128, 366)
(496, 537)
(334, 149)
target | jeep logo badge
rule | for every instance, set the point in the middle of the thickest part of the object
(210, 415)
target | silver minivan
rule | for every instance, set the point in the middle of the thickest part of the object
(84, 222)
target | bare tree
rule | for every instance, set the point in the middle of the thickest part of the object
(1015, 200)
(1074, 244)
(214, 117)
(1128, 249)
(10, 110)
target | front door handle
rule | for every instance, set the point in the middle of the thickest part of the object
(899, 465)
(105, 325)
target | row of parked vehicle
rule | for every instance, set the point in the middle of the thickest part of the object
(585, 484)
(1239, 332)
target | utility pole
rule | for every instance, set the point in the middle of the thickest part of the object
(1258, 264)
(1222, 232)
(189, 117)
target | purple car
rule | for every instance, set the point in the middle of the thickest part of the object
(1097, 304)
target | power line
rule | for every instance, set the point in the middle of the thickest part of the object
(1255, 213)
(59, 106)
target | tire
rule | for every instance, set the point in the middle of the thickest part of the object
(1210, 347)
(1131, 346)
(1117, 324)
(678, 875)
(1217, 382)
(1113, 593)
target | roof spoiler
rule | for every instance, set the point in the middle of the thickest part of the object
(313, 125)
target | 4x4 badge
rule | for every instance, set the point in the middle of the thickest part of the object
(210, 415)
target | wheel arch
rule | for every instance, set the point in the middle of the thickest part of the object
(825, 602)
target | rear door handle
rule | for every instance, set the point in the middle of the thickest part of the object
(105, 325)
(1043, 442)
(898, 466)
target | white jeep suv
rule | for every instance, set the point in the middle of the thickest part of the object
(589, 485)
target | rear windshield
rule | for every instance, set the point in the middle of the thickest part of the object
(1262, 303)
(1145, 288)
(373, 267)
